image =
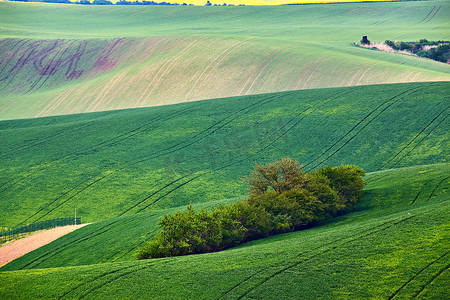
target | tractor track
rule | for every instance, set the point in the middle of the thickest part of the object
(416, 274)
(416, 136)
(419, 142)
(237, 161)
(393, 101)
(332, 246)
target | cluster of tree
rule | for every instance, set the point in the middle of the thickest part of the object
(441, 51)
(282, 198)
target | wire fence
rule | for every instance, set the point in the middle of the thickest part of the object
(7, 234)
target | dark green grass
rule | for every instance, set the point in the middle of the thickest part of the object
(131, 161)
(394, 245)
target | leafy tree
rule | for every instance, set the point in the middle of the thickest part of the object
(282, 198)
(279, 176)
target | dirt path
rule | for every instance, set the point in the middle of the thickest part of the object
(16, 249)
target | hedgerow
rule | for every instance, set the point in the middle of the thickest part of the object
(282, 198)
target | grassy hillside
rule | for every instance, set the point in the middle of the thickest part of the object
(58, 59)
(395, 245)
(87, 246)
(125, 162)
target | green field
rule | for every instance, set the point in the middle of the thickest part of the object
(99, 110)
(130, 161)
(59, 59)
(395, 245)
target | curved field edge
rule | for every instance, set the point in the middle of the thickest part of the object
(288, 48)
(393, 245)
(132, 161)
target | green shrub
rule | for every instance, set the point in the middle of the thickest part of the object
(282, 198)
(279, 176)
(347, 182)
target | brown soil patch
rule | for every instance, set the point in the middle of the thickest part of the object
(16, 249)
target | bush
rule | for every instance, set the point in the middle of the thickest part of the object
(347, 182)
(279, 176)
(282, 198)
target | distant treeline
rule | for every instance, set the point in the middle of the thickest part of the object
(121, 2)
(440, 50)
(282, 198)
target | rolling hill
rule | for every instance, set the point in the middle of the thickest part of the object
(394, 245)
(128, 57)
(100, 110)
(129, 161)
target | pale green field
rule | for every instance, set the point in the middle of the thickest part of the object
(125, 57)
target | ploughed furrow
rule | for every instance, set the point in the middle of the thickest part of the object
(229, 49)
(314, 71)
(417, 274)
(417, 135)
(316, 252)
(123, 273)
(420, 191)
(306, 71)
(28, 220)
(51, 68)
(387, 105)
(166, 68)
(352, 129)
(24, 58)
(195, 139)
(215, 66)
(19, 44)
(262, 70)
